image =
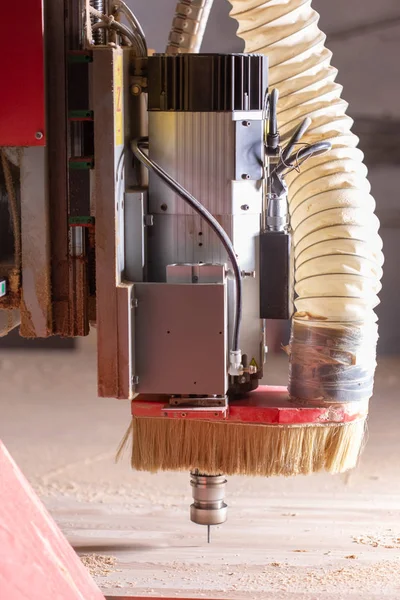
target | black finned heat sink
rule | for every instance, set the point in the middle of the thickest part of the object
(207, 82)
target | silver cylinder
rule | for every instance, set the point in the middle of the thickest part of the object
(203, 151)
(277, 213)
(208, 493)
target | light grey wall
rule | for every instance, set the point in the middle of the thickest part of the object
(367, 57)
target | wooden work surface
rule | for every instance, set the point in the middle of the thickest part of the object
(312, 538)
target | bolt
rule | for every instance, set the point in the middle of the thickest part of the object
(136, 90)
(245, 176)
(246, 123)
(164, 207)
(195, 279)
(245, 207)
(39, 135)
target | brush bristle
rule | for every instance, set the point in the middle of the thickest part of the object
(243, 449)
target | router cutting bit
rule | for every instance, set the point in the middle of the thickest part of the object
(208, 506)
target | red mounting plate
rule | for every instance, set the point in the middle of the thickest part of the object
(22, 104)
(268, 405)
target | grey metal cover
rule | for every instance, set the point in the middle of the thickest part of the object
(180, 338)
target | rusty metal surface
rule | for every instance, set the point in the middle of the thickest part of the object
(113, 310)
(36, 313)
(69, 272)
(57, 157)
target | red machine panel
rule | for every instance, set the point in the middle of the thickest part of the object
(22, 96)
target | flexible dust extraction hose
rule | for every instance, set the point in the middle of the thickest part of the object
(337, 248)
(188, 26)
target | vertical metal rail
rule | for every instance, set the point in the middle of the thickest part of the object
(69, 140)
(80, 164)
(56, 89)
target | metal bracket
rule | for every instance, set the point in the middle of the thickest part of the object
(248, 150)
(191, 402)
(216, 413)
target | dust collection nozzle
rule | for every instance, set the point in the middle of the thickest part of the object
(208, 506)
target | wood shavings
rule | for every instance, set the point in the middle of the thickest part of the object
(351, 556)
(98, 564)
(300, 550)
(382, 541)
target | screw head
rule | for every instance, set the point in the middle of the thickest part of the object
(163, 207)
(136, 90)
(245, 176)
(246, 123)
(245, 207)
(39, 135)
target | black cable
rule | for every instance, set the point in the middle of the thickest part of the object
(273, 134)
(137, 146)
(273, 119)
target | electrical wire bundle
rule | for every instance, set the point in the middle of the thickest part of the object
(133, 34)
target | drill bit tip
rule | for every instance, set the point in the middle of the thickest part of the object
(208, 533)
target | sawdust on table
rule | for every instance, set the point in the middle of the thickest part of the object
(385, 540)
(277, 578)
(98, 564)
